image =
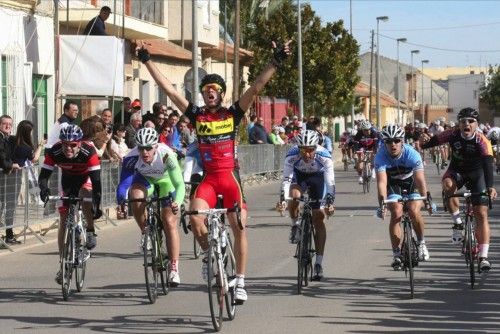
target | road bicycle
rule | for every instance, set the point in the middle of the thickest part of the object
(305, 247)
(221, 264)
(74, 254)
(409, 246)
(155, 254)
(366, 173)
(438, 159)
(470, 248)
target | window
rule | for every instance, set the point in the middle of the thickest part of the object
(205, 11)
(12, 86)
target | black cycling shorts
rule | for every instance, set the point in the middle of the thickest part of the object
(473, 180)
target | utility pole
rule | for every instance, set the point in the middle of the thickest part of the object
(236, 64)
(371, 82)
(354, 96)
(301, 84)
(194, 27)
(377, 78)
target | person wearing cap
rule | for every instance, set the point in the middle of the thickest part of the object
(471, 165)
(216, 128)
(274, 137)
(96, 26)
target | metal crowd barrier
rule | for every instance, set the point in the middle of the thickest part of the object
(22, 209)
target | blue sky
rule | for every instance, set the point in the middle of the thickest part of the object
(431, 26)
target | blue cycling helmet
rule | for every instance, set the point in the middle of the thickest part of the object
(71, 133)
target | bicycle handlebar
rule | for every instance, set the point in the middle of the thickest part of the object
(469, 194)
(149, 200)
(70, 198)
(405, 199)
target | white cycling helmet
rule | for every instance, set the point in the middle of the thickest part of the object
(365, 125)
(146, 137)
(392, 131)
(417, 122)
(422, 126)
(452, 124)
(494, 135)
(307, 138)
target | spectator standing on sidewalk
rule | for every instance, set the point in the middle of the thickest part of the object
(70, 113)
(130, 130)
(96, 26)
(258, 133)
(8, 177)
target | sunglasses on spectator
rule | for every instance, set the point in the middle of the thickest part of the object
(392, 141)
(308, 149)
(70, 144)
(145, 148)
(213, 86)
(467, 120)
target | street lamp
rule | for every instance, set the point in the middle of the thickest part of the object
(425, 61)
(397, 80)
(411, 81)
(384, 19)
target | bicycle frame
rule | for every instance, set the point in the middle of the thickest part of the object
(409, 244)
(74, 254)
(469, 244)
(156, 259)
(305, 250)
(220, 255)
(367, 170)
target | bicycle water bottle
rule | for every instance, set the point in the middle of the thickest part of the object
(223, 239)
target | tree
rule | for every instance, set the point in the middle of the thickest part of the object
(329, 53)
(491, 92)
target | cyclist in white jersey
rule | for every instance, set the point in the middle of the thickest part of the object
(309, 166)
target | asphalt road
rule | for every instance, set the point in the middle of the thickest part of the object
(359, 294)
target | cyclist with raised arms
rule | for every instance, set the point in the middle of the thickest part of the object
(216, 130)
(399, 168)
(81, 177)
(309, 166)
(366, 139)
(471, 165)
(147, 165)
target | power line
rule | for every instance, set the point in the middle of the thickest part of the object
(443, 49)
(466, 26)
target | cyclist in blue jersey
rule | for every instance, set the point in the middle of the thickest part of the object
(309, 166)
(399, 168)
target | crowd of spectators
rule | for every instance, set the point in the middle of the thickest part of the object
(285, 131)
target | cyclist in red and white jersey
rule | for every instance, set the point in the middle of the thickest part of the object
(216, 129)
(81, 177)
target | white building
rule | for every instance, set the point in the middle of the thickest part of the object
(463, 91)
(27, 62)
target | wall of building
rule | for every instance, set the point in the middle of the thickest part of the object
(463, 91)
(29, 38)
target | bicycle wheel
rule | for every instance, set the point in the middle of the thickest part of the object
(150, 267)
(196, 248)
(215, 288)
(67, 262)
(408, 251)
(230, 271)
(163, 261)
(307, 255)
(80, 268)
(470, 251)
(438, 162)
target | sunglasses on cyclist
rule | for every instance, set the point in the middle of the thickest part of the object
(213, 86)
(467, 120)
(392, 141)
(308, 149)
(71, 144)
(145, 148)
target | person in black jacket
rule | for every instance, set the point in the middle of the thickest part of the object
(7, 180)
(96, 26)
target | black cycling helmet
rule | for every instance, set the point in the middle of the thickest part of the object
(468, 113)
(213, 78)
